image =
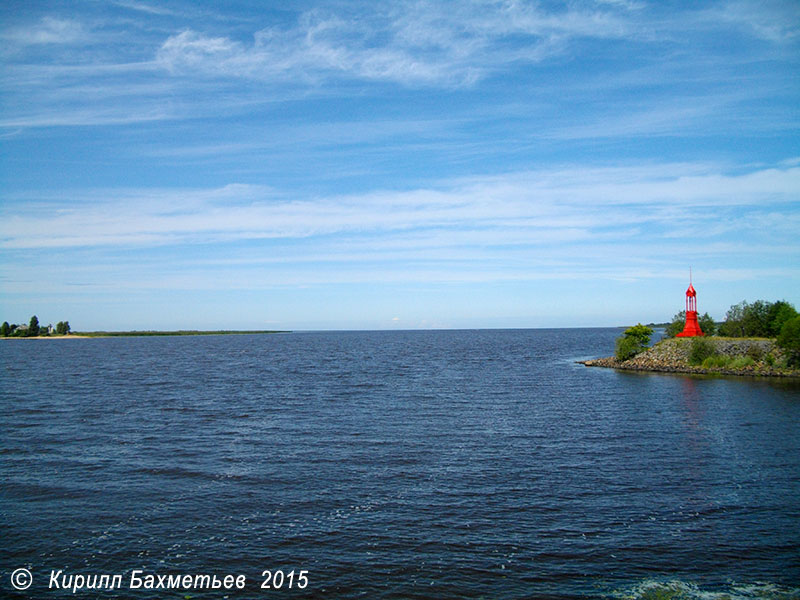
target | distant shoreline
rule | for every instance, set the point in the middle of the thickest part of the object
(103, 334)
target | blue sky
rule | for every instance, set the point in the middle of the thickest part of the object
(375, 165)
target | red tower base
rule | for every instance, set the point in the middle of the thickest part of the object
(692, 327)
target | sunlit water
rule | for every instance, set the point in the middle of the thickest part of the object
(437, 464)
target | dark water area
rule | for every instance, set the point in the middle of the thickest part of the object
(420, 464)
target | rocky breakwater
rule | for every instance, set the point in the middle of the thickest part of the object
(711, 355)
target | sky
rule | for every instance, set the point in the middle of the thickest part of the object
(395, 165)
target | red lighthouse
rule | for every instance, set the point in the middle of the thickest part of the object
(692, 327)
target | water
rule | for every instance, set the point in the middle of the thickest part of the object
(432, 464)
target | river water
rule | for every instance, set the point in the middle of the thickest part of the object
(416, 464)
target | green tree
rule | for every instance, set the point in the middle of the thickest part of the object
(62, 327)
(755, 320)
(732, 327)
(33, 327)
(5, 329)
(707, 324)
(779, 312)
(677, 324)
(789, 340)
(633, 341)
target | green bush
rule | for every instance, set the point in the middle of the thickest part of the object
(640, 333)
(633, 341)
(627, 348)
(769, 359)
(701, 349)
(789, 340)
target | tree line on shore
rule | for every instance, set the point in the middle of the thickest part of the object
(778, 320)
(33, 329)
(746, 319)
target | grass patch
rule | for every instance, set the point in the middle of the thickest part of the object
(718, 361)
(741, 362)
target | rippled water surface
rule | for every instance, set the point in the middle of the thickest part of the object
(431, 464)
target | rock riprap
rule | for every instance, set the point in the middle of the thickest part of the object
(746, 356)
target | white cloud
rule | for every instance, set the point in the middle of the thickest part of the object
(189, 50)
(96, 75)
(772, 20)
(50, 30)
(415, 43)
(531, 208)
(145, 8)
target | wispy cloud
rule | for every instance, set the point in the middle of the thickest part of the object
(435, 44)
(152, 9)
(774, 21)
(200, 68)
(413, 43)
(49, 30)
(531, 208)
